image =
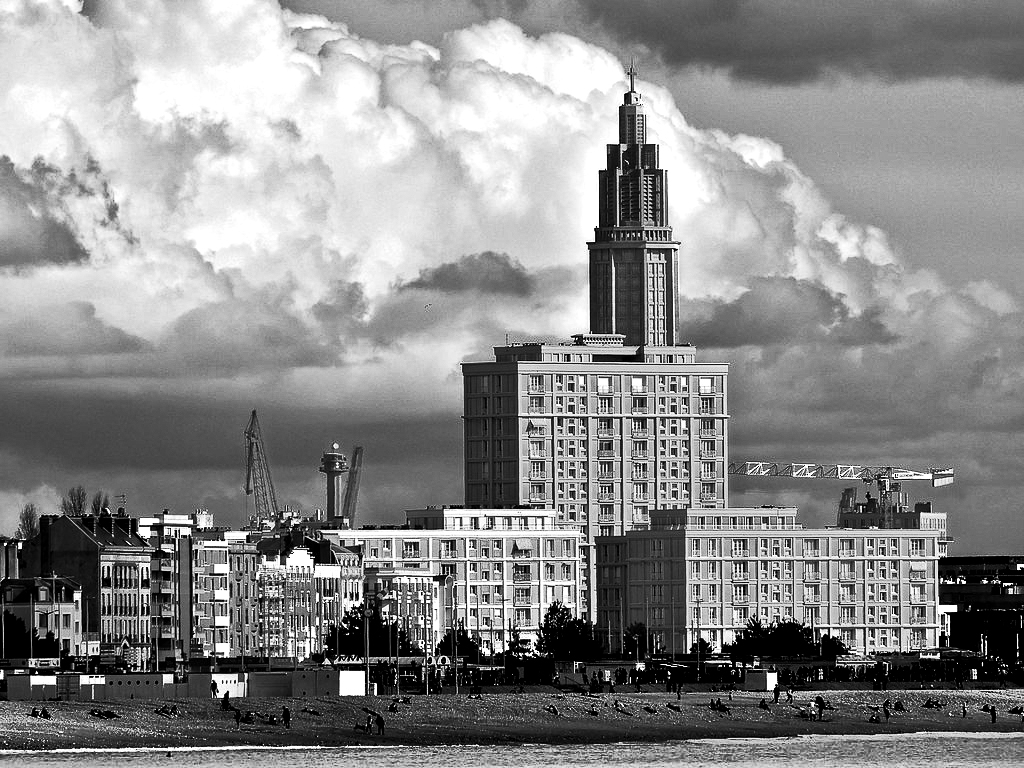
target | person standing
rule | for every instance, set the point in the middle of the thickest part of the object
(213, 689)
(238, 719)
(286, 717)
(380, 724)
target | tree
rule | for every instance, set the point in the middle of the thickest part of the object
(28, 522)
(73, 503)
(347, 637)
(702, 648)
(567, 637)
(100, 502)
(635, 640)
(468, 647)
(832, 647)
(780, 638)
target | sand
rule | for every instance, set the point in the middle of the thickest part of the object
(497, 717)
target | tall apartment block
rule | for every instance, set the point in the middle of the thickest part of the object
(619, 421)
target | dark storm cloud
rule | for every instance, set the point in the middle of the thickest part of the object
(771, 41)
(65, 329)
(30, 233)
(237, 335)
(486, 272)
(780, 310)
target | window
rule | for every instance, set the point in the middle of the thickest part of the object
(604, 385)
(638, 384)
(536, 404)
(639, 405)
(740, 593)
(739, 549)
(566, 572)
(917, 548)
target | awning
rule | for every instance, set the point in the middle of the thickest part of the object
(522, 544)
(918, 565)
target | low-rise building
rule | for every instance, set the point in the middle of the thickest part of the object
(704, 573)
(51, 610)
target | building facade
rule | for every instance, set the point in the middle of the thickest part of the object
(171, 585)
(105, 554)
(507, 567)
(51, 610)
(621, 420)
(706, 573)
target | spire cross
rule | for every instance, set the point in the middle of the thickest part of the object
(632, 72)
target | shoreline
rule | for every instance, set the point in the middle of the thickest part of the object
(541, 716)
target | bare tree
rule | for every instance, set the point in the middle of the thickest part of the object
(74, 502)
(28, 522)
(100, 502)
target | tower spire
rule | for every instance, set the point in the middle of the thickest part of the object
(633, 258)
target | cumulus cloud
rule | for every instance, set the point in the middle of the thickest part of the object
(478, 272)
(285, 215)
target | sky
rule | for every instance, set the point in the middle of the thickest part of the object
(319, 209)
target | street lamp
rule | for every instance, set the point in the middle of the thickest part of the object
(455, 640)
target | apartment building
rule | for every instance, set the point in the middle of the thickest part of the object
(170, 535)
(506, 567)
(705, 573)
(621, 420)
(303, 586)
(106, 556)
(51, 609)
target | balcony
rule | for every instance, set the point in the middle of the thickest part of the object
(606, 497)
(535, 389)
(708, 432)
(606, 474)
(538, 497)
(709, 497)
(740, 576)
(812, 576)
(520, 578)
(538, 454)
(847, 597)
(605, 432)
(706, 411)
(522, 601)
(606, 454)
(539, 475)
(918, 619)
(536, 409)
(847, 553)
(638, 410)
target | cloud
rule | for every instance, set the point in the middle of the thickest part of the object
(478, 273)
(286, 215)
(71, 329)
(30, 232)
(782, 311)
(767, 41)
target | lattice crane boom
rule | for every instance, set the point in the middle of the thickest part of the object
(258, 483)
(889, 480)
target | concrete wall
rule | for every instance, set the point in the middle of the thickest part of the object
(760, 680)
(31, 687)
(142, 686)
(299, 683)
(328, 682)
(270, 684)
(232, 684)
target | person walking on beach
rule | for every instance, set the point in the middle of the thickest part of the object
(775, 693)
(885, 710)
(380, 724)
(213, 689)
(992, 711)
(963, 709)
(286, 717)
(238, 719)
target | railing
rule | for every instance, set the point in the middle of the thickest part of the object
(708, 432)
(639, 409)
(535, 389)
(640, 433)
(606, 497)
(606, 454)
(709, 497)
(536, 454)
(812, 575)
(605, 432)
(536, 497)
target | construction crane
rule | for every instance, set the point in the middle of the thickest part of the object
(257, 476)
(355, 471)
(888, 480)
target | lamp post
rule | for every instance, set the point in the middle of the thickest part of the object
(455, 640)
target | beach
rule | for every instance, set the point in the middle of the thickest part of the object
(498, 716)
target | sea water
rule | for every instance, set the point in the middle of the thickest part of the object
(925, 750)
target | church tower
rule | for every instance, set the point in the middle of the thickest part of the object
(633, 258)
